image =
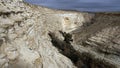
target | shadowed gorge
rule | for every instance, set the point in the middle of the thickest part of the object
(81, 60)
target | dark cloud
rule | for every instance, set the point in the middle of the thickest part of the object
(79, 5)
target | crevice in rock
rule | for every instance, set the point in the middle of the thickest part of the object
(7, 14)
(1, 42)
(81, 60)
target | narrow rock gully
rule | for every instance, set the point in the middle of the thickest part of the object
(81, 60)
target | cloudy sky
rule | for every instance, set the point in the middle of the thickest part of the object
(79, 5)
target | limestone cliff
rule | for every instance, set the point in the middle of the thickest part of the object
(37, 37)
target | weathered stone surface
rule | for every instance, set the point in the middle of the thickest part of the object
(24, 35)
(25, 43)
(101, 38)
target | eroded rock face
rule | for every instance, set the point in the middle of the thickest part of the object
(25, 43)
(24, 40)
(101, 38)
